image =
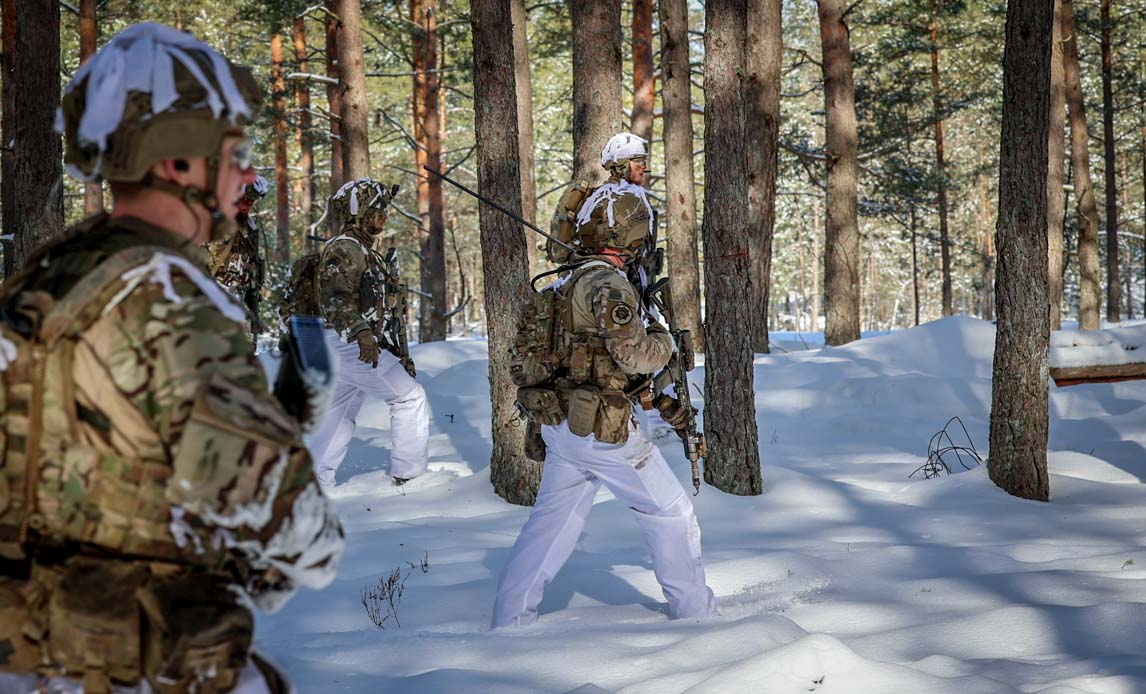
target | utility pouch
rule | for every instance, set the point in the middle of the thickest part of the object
(17, 615)
(196, 636)
(93, 619)
(613, 417)
(534, 444)
(580, 363)
(542, 404)
(584, 402)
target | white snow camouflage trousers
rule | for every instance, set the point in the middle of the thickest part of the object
(357, 380)
(637, 474)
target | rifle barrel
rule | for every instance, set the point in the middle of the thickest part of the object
(501, 209)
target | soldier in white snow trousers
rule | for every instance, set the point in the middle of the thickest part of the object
(586, 346)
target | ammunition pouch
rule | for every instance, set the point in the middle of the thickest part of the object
(604, 413)
(195, 635)
(109, 622)
(541, 405)
(93, 619)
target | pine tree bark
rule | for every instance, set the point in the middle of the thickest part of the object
(89, 38)
(427, 134)
(842, 241)
(940, 163)
(680, 196)
(596, 82)
(282, 179)
(644, 79)
(1113, 288)
(733, 463)
(34, 209)
(355, 141)
(762, 106)
(515, 478)
(8, 129)
(1056, 151)
(1018, 460)
(1089, 291)
(304, 187)
(524, 77)
(334, 101)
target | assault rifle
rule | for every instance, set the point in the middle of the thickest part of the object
(501, 209)
(675, 374)
(394, 316)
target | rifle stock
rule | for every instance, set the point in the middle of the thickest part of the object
(675, 374)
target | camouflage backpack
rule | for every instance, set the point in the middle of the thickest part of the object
(300, 297)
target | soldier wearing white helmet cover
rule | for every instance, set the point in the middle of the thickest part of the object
(585, 349)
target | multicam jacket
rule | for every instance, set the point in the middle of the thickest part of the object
(160, 444)
(608, 349)
(350, 277)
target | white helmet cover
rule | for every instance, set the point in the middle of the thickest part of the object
(623, 146)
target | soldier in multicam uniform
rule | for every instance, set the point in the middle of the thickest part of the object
(610, 348)
(163, 491)
(350, 278)
(237, 261)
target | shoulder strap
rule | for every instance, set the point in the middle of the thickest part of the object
(224, 255)
(84, 302)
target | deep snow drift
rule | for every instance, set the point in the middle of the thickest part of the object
(845, 576)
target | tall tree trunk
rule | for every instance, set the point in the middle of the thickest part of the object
(1018, 462)
(1056, 151)
(426, 89)
(334, 98)
(596, 82)
(89, 37)
(762, 108)
(733, 463)
(355, 141)
(842, 241)
(8, 130)
(940, 164)
(680, 196)
(523, 74)
(644, 80)
(914, 265)
(282, 181)
(515, 478)
(304, 189)
(34, 211)
(1089, 290)
(1113, 288)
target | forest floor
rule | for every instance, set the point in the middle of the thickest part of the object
(848, 575)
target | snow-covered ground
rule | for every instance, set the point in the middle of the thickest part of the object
(844, 576)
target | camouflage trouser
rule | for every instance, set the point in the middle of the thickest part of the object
(251, 681)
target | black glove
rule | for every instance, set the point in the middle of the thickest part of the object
(368, 349)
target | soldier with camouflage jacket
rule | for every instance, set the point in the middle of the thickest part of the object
(237, 261)
(166, 494)
(609, 348)
(351, 281)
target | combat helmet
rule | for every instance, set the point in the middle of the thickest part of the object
(360, 204)
(155, 93)
(617, 214)
(620, 150)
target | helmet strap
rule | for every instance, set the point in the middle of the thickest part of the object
(192, 195)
